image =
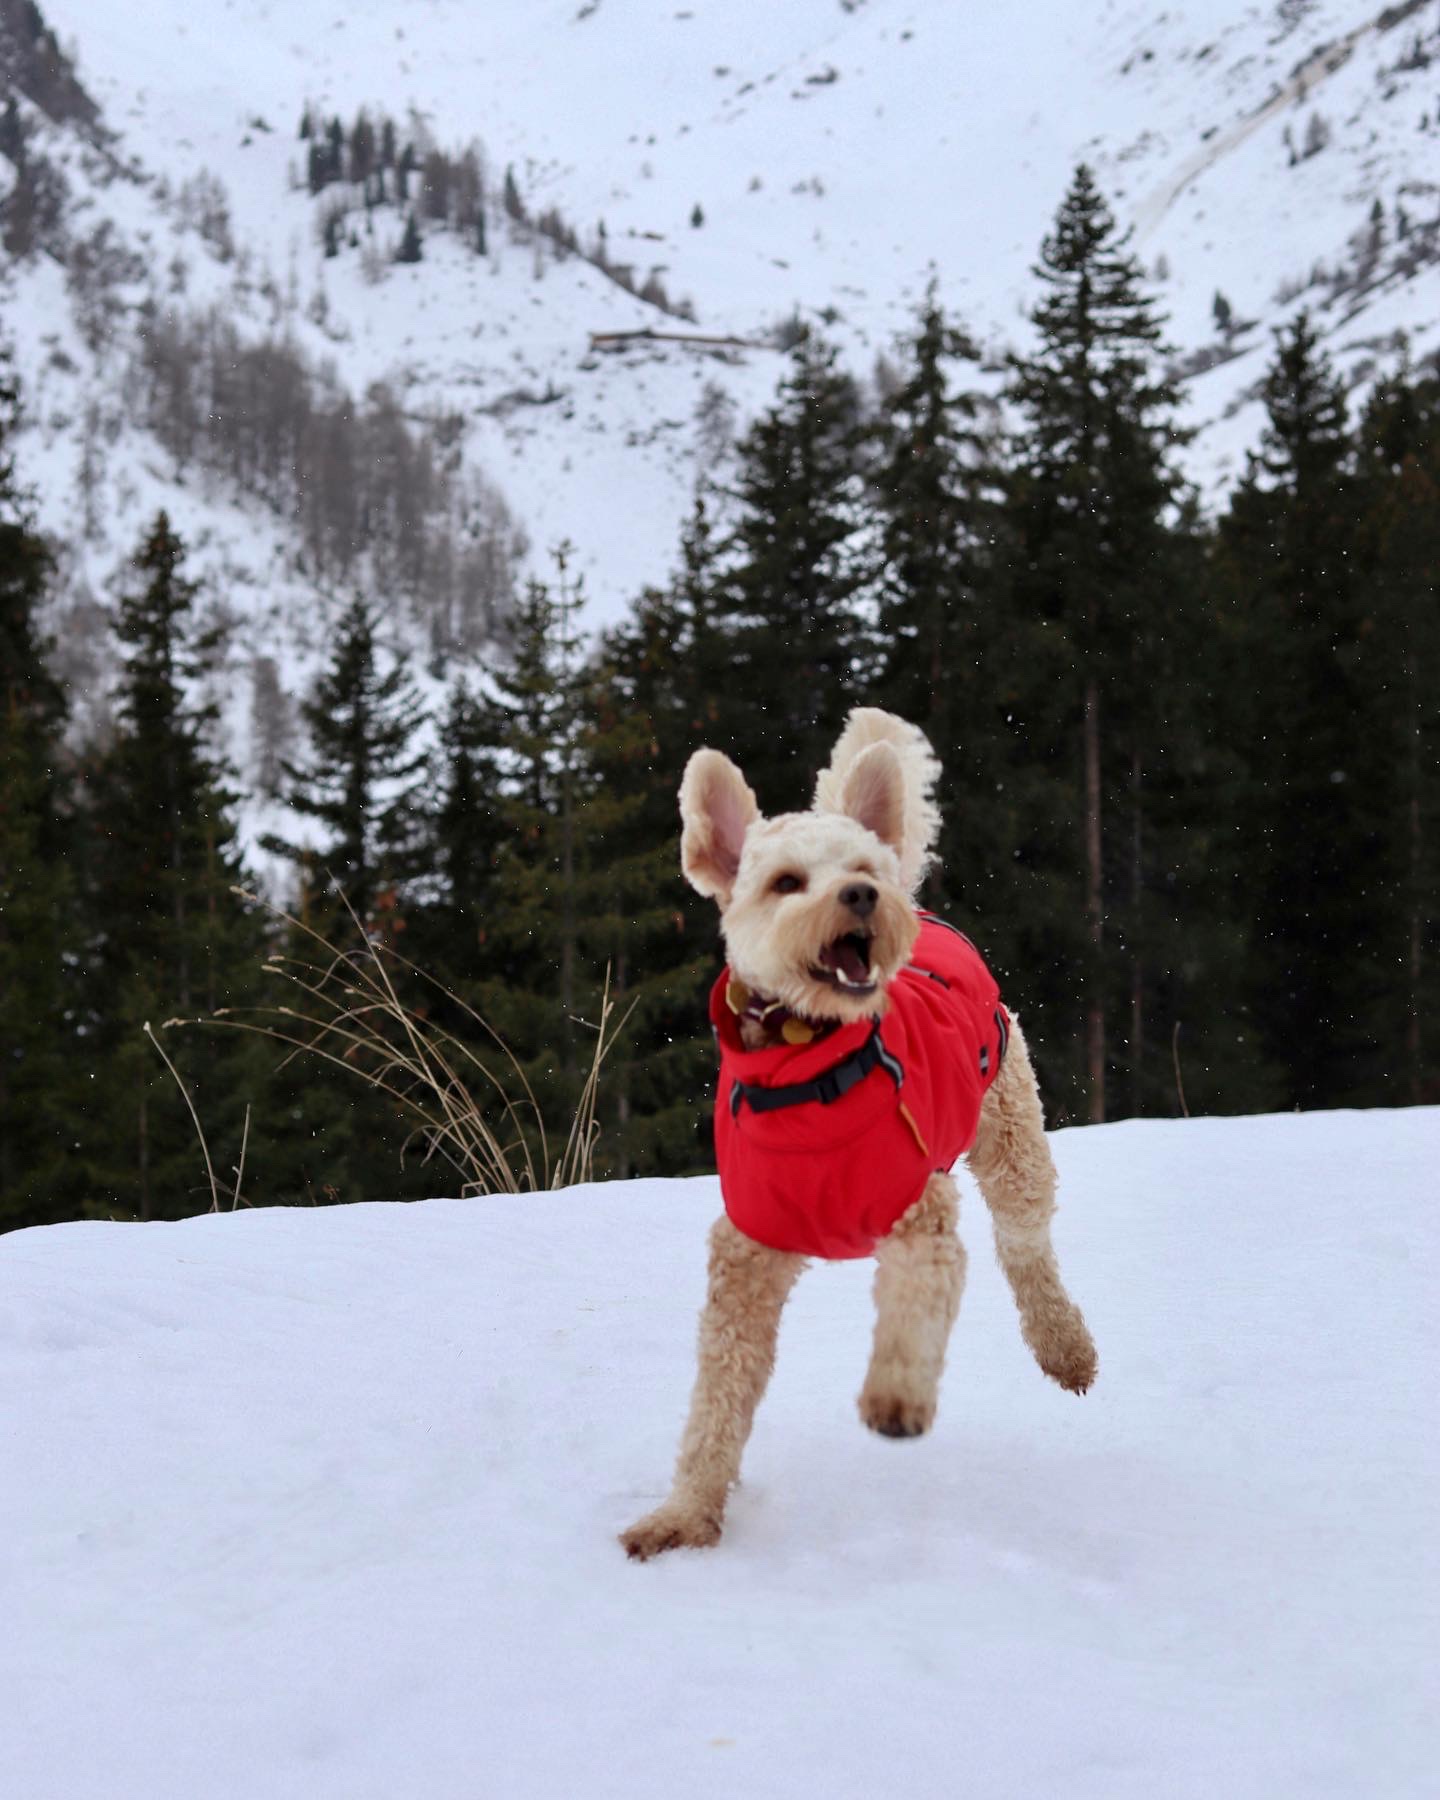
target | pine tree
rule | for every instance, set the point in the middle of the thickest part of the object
(703, 662)
(1400, 629)
(545, 878)
(361, 780)
(469, 192)
(171, 936)
(464, 834)
(1092, 499)
(335, 1139)
(792, 623)
(410, 250)
(658, 691)
(936, 493)
(534, 992)
(362, 148)
(1290, 541)
(164, 803)
(39, 944)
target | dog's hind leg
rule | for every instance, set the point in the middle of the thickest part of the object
(1011, 1161)
(749, 1285)
(919, 1277)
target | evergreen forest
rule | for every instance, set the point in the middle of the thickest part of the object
(1191, 796)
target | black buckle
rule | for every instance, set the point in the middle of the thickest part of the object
(827, 1087)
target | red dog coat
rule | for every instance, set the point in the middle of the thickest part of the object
(821, 1147)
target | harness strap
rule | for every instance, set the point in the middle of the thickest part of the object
(827, 1087)
(833, 1084)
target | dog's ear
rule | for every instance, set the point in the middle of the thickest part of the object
(874, 793)
(915, 834)
(717, 808)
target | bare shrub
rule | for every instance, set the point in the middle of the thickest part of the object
(471, 1106)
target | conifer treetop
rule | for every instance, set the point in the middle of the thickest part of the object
(362, 779)
(1306, 435)
(1098, 369)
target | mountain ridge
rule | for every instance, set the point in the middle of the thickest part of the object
(825, 161)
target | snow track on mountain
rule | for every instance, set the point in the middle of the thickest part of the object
(1322, 63)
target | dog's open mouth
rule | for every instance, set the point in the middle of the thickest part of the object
(845, 964)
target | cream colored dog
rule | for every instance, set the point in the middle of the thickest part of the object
(787, 888)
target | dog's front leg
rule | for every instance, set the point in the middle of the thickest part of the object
(919, 1278)
(749, 1284)
(1012, 1163)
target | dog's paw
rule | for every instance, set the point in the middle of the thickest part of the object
(896, 1417)
(1069, 1356)
(671, 1527)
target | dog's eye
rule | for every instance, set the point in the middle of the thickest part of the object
(787, 884)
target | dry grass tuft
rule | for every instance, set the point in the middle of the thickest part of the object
(350, 1014)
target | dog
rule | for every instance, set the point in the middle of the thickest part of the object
(864, 1048)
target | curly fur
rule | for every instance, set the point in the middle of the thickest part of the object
(717, 809)
(1012, 1164)
(748, 1286)
(919, 1278)
(874, 820)
(773, 940)
(866, 727)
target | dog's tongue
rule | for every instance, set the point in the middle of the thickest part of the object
(844, 957)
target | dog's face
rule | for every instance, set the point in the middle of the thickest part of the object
(812, 908)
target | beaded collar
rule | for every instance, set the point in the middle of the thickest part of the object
(773, 1017)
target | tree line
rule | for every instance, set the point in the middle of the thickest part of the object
(1190, 801)
(374, 165)
(366, 487)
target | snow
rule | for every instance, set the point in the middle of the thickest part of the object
(943, 143)
(323, 1503)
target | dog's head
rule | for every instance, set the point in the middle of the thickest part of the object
(814, 907)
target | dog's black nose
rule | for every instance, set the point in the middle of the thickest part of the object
(860, 898)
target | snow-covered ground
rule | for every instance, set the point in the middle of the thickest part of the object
(323, 1504)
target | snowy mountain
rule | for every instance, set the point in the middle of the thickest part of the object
(323, 1503)
(746, 162)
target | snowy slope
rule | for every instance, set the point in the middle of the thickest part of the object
(839, 150)
(323, 1504)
